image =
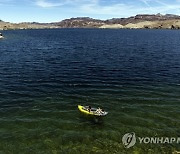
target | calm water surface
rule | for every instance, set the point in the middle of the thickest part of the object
(45, 74)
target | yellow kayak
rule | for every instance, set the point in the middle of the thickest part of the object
(92, 111)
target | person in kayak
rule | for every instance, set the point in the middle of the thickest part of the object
(89, 108)
(99, 110)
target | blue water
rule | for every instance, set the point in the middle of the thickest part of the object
(45, 74)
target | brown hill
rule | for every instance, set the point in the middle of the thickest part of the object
(81, 22)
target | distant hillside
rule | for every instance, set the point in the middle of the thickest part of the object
(25, 25)
(81, 22)
(155, 21)
(151, 21)
(142, 17)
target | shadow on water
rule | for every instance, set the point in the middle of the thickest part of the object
(93, 120)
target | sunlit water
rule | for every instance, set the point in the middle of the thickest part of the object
(45, 74)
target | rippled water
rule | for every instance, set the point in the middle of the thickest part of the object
(45, 74)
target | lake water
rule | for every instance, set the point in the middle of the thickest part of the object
(45, 74)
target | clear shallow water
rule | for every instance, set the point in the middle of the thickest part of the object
(45, 74)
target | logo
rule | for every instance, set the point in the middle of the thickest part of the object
(129, 140)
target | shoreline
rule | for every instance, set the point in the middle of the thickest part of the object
(90, 28)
